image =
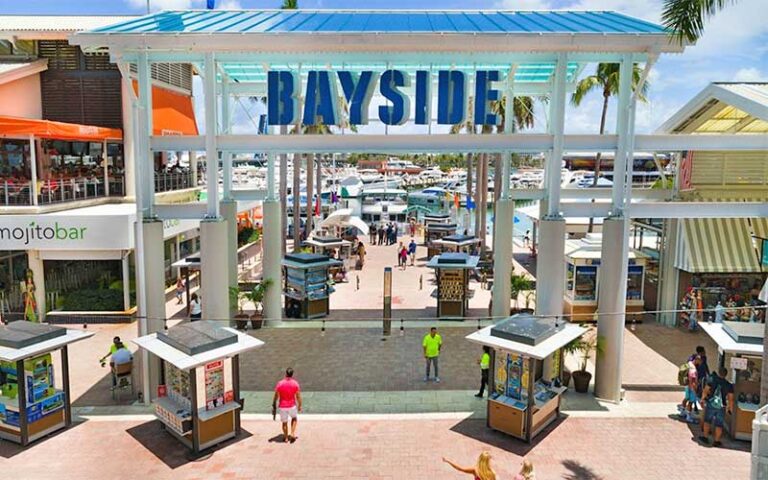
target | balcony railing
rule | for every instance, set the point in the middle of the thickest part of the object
(18, 193)
(166, 182)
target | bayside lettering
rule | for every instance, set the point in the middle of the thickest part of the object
(33, 231)
(321, 97)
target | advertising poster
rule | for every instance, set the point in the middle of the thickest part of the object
(214, 384)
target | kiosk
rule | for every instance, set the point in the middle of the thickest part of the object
(525, 371)
(31, 404)
(458, 243)
(198, 400)
(436, 231)
(307, 290)
(582, 267)
(436, 219)
(326, 245)
(452, 273)
(740, 350)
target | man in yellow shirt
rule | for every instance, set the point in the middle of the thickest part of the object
(485, 363)
(432, 344)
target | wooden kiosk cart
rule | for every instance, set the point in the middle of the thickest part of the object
(452, 292)
(458, 243)
(31, 404)
(740, 350)
(306, 288)
(436, 219)
(325, 245)
(525, 370)
(198, 400)
(436, 231)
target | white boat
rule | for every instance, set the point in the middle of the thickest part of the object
(351, 186)
(383, 205)
(433, 198)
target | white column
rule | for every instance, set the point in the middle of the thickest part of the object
(193, 166)
(125, 269)
(504, 222)
(556, 128)
(668, 274)
(612, 300)
(129, 159)
(211, 149)
(272, 246)
(151, 279)
(229, 213)
(33, 169)
(226, 119)
(550, 270)
(612, 288)
(145, 164)
(105, 161)
(35, 263)
(214, 269)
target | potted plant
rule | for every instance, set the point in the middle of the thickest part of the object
(583, 347)
(257, 297)
(237, 301)
(518, 284)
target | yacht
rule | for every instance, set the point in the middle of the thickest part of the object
(398, 166)
(383, 205)
(433, 198)
(351, 186)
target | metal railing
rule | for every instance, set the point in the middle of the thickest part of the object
(59, 190)
(167, 182)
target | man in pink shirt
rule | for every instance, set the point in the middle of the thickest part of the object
(288, 393)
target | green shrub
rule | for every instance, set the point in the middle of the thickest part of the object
(94, 300)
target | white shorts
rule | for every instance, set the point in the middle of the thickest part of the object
(288, 413)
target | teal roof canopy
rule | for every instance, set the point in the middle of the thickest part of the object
(385, 21)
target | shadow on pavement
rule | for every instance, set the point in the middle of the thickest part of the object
(674, 344)
(170, 451)
(477, 429)
(9, 449)
(579, 471)
(573, 401)
(728, 442)
(100, 394)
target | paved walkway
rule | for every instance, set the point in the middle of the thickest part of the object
(397, 448)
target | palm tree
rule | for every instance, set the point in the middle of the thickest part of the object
(290, 5)
(685, 18)
(606, 80)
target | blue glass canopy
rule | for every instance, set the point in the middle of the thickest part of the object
(392, 21)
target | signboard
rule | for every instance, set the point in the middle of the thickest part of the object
(738, 363)
(322, 94)
(764, 255)
(214, 384)
(451, 285)
(66, 232)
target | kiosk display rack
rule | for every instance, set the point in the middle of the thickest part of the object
(436, 231)
(457, 244)
(32, 405)
(198, 401)
(452, 292)
(306, 289)
(740, 350)
(525, 367)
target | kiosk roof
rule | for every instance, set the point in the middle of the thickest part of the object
(726, 342)
(14, 354)
(542, 350)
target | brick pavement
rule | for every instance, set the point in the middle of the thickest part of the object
(360, 448)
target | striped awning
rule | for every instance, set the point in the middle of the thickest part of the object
(716, 245)
(760, 227)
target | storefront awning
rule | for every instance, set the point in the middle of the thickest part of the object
(24, 127)
(172, 113)
(716, 245)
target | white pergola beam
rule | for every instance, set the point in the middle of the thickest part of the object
(515, 142)
(589, 194)
(181, 211)
(244, 195)
(668, 209)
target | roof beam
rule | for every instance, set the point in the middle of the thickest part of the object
(741, 124)
(669, 209)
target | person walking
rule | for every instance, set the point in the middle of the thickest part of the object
(403, 256)
(361, 254)
(527, 239)
(690, 398)
(716, 398)
(412, 251)
(381, 233)
(432, 344)
(372, 233)
(388, 234)
(702, 372)
(482, 470)
(195, 309)
(485, 363)
(179, 291)
(526, 471)
(287, 402)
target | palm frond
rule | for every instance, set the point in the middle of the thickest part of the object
(685, 18)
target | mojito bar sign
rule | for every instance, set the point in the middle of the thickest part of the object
(323, 89)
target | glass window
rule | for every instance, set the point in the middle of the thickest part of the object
(6, 47)
(585, 283)
(635, 282)
(24, 47)
(569, 274)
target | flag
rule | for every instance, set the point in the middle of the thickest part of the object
(456, 201)
(211, 4)
(317, 207)
(470, 203)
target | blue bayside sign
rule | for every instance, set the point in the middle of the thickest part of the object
(321, 97)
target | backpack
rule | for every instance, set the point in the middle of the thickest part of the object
(682, 375)
(716, 400)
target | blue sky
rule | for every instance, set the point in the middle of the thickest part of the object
(733, 48)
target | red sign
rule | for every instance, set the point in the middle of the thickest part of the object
(162, 390)
(229, 396)
(686, 170)
(214, 365)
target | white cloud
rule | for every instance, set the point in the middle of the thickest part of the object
(749, 74)
(229, 5)
(155, 5)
